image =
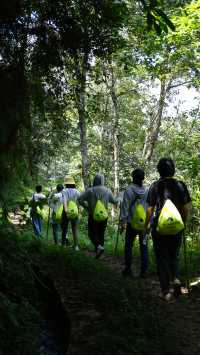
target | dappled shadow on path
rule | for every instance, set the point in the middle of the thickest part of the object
(177, 322)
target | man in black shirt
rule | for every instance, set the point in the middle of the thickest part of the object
(167, 247)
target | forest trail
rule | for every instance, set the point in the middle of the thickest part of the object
(179, 320)
(182, 317)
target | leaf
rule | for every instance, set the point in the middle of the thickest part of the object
(166, 19)
(150, 19)
(158, 28)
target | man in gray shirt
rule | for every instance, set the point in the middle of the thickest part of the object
(88, 199)
(135, 191)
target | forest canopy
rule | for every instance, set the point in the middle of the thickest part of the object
(91, 86)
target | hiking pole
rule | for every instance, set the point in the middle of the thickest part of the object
(186, 264)
(48, 220)
(118, 231)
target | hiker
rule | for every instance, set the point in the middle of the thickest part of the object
(95, 200)
(168, 223)
(56, 201)
(70, 214)
(134, 195)
(36, 203)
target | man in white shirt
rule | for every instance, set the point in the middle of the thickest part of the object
(70, 193)
(38, 199)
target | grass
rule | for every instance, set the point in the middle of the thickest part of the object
(129, 323)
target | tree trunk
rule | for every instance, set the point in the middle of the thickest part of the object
(81, 71)
(110, 83)
(115, 140)
(155, 123)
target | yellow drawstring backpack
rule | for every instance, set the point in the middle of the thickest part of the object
(58, 213)
(100, 212)
(139, 215)
(72, 210)
(170, 221)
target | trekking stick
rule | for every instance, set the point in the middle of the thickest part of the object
(48, 220)
(48, 223)
(117, 236)
(186, 264)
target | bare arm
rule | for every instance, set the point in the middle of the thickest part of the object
(186, 210)
(82, 200)
(65, 204)
(150, 211)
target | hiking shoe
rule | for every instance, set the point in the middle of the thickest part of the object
(177, 282)
(100, 251)
(168, 297)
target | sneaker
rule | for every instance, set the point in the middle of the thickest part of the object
(100, 251)
(168, 297)
(177, 282)
(177, 288)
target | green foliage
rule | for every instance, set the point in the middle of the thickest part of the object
(42, 62)
(156, 17)
(19, 324)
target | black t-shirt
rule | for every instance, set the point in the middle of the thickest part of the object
(168, 188)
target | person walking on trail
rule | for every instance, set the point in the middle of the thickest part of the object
(169, 201)
(70, 211)
(56, 202)
(134, 197)
(95, 200)
(37, 201)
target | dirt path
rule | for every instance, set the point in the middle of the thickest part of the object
(177, 324)
(181, 319)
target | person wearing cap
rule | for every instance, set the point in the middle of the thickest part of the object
(55, 201)
(70, 193)
(135, 191)
(88, 199)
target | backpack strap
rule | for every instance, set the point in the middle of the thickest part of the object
(133, 202)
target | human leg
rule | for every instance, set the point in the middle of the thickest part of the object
(143, 254)
(100, 233)
(55, 228)
(64, 227)
(129, 238)
(92, 232)
(37, 225)
(161, 250)
(74, 224)
(174, 249)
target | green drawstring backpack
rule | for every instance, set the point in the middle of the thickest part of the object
(58, 213)
(42, 212)
(139, 215)
(72, 210)
(170, 221)
(100, 212)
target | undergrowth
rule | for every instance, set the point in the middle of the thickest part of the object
(129, 324)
